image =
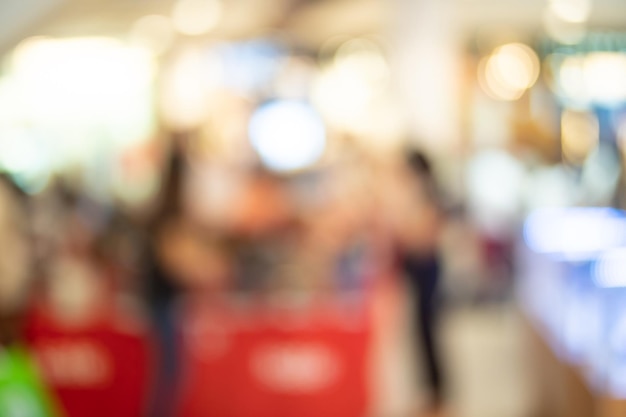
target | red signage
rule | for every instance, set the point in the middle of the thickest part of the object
(266, 362)
(100, 370)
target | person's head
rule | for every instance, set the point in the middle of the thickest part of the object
(418, 162)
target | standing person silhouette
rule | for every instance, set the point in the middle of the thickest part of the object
(160, 286)
(421, 220)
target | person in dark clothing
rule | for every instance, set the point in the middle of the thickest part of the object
(161, 288)
(420, 263)
(423, 273)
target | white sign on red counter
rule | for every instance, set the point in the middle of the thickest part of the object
(263, 361)
(99, 369)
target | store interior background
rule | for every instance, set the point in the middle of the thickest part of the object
(520, 104)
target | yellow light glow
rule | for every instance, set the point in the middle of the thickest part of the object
(492, 86)
(196, 17)
(346, 89)
(366, 57)
(571, 10)
(154, 32)
(516, 65)
(509, 71)
(579, 135)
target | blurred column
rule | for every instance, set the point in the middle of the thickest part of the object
(427, 70)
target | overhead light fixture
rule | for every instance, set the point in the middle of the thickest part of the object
(509, 71)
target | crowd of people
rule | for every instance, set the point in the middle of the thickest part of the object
(95, 299)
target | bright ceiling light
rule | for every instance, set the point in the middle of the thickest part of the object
(345, 90)
(196, 17)
(68, 89)
(85, 82)
(367, 57)
(288, 135)
(516, 65)
(605, 77)
(509, 71)
(571, 10)
(492, 86)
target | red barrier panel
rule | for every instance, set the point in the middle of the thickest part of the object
(272, 362)
(99, 370)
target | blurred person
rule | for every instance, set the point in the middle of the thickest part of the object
(161, 289)
(196, 259)
(22, 392)
(184, 262)
(77, 283)
(94, 352)
(418, 230)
